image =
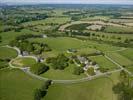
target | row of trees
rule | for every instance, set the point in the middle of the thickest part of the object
(41, 92)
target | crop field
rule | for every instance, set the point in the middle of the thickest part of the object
(94, 27)
(127, 53)
(97, 18)
(104, 62)
(120, 59)
(23, 62)
(121, 20)
(7, 53)
(114, 29)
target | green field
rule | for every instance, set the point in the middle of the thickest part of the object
(7, 53)
(104, 62)
(23, 62)
(81, 26)
(124, 59)
(67, 73)
(115, 29)
(61, 43)
(55, 20)
(16, 85)
(128, 53)
(9, 36)
(120, 59)
(98, 89)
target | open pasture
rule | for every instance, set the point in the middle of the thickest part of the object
(7, 53)
(104, 62)
(23, 62)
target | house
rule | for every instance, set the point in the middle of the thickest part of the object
(40, 59)
(71, 51)
(44, 36)
(24, 53)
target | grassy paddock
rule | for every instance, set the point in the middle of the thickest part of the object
(11, 35)
(16, 85)
(67, 73)
(23, 62)
(98, 89)
(7, 53)
(103, 62)
(120, 59)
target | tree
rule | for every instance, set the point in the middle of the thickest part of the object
(39, 68)
(59, 62)
(46, 85)
(78, 70)
(37, 94)
(0, 38)
(91, 71)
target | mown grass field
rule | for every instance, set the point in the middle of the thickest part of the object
(23, 62)
(66, 74)
(64, 43)
(61, 43)
(104, 62)
(7, 53)
(16, 85)
(128, 53)
(123, 58)
(120, 59)
(98, 89)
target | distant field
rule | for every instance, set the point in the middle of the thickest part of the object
(115, 29)
(23, 62)
(97, 18)
(98, 89)
(7, 53)
(67, 73)
(16, 85)
(61, 43)
(55, 20)
(104, 62)
(81, 26)
(121, 20)
(9, 36)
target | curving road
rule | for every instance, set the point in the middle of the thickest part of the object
(88, 78)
